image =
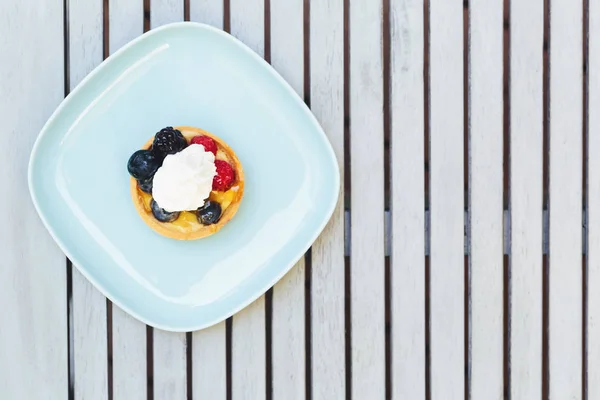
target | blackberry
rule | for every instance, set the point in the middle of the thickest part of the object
(168, 141)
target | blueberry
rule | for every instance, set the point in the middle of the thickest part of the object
(143, 164)
(161, 214)
(168, 141)
(146, 185)
(209, 213)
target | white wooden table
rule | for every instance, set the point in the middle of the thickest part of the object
(455, 266)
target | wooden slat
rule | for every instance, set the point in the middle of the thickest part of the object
(247, 19)
(128, 334)
(209, 345)
(89, 340)
(327, 281)
(447, 200)
(287, 42)
(248, 351)
(129, 356)
(85, 38)
(170, 363)
(165, 11)
(33, 334)
(367, 248)
(88, 304)
(207, 11)
(486, 199)
(565, 199)
(593, 322)
(526, 142)
(288, 343)
(126, 22)
(408, 200)
(209, 368)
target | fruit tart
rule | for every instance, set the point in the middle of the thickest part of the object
(186, 183)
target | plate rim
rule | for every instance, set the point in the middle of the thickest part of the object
(193, 326)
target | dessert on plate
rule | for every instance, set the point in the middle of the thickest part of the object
(186, 183)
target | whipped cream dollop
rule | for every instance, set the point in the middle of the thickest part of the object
(184, 181)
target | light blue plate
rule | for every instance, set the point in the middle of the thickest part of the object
(183, 74)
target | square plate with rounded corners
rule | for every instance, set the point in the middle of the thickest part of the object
(183, 74)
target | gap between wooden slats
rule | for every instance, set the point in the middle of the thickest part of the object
(584, 184)
(545, 194)
(109, 305)
(327, 297)
(386, 38)
(467, 323)
(128, 334)
(486, 198)
(447, 201)
(209, 369)
(593, 218)
(565, 200)
(248, 352)
(506, 150)
(33, 278)
(288, 322)
(90, 358)
(404, 244)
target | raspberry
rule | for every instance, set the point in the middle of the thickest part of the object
(224, 177)
(208, 143)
